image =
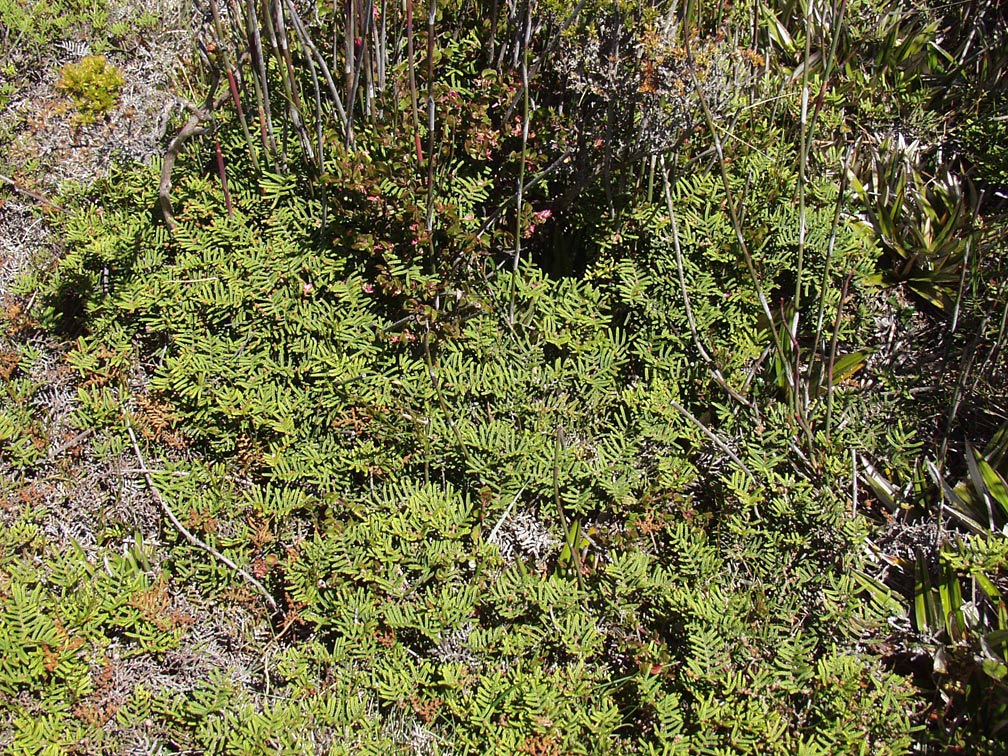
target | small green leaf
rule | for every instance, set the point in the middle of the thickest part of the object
(924, 609)
(987, 586)
(994, 669)
(994, 484)
(778, 32)
(847, 365)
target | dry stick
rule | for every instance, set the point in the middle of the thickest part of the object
(318, 115)
(311, 50)
(797, 405)
(278, 37)
(498, 64)
(830, 63)
(218, 28)
(524, 153)
(713, 437)
(302, 130)
(358, 65)
(412, 81)
(351, 66)
(494, 14)
(496, 528)
(833, 350)
(736, 225)
(711, 364)
(318, 120)
(381, 48)
(80, 437)
(306, 42)
(233, 86)
(29, 193)
(517, 47)
(298, 109)
(145, 471)
(193, 127)
(430, 119)
(275, 49)
(349, 27)
(368, 46)
(259, 80)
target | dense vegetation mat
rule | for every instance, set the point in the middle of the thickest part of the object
(510, 378)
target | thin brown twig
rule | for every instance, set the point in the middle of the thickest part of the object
(79, 438)
(193, 127)
(313, 51)
(713, 437)
(349, 32)
(712, 366)
(196, 541)
(222, 46)
(259, 80)
(29, 193)
(236, 99)
(358, 66)
(278, 39)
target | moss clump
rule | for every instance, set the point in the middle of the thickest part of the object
(93, 84)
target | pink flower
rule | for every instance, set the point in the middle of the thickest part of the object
(368, 288)
(543, 215)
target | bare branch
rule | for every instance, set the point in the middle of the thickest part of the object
(145, 471)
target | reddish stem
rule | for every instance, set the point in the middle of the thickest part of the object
(223, 178)
(234, 94)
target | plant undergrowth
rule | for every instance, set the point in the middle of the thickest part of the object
(555, 381)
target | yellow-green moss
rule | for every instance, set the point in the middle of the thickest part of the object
(93, 84)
